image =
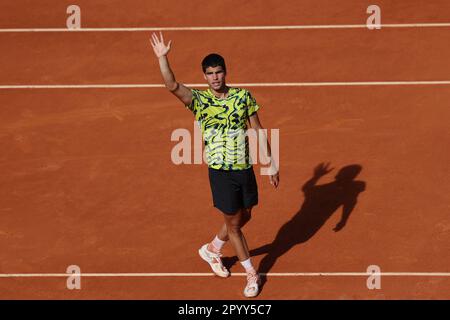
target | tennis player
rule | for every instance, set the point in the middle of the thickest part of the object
(224, 114)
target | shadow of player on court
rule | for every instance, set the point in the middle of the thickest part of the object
(320, 202)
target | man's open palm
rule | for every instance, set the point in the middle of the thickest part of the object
(158, 45)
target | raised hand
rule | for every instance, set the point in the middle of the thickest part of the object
(158, 45)
(322, 169)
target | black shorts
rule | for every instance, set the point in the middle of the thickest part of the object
(233, 189)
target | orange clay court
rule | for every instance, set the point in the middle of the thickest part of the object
(87, 178)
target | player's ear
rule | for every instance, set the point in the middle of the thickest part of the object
(204, 76)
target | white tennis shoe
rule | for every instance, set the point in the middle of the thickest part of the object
(253, 282)
(214, 260)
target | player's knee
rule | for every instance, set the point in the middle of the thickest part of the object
(235, 231)
(234, 227)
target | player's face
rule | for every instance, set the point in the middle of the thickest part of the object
(215, 76)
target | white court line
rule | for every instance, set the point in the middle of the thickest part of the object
(273, 84)
(230, 28)
(294, 274)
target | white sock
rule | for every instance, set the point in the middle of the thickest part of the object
(217, 243)
(247, 264)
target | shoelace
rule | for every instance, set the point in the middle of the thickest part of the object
(216, 257)
(214, 254)
(252, 278)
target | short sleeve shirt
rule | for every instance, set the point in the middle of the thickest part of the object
(224, 124)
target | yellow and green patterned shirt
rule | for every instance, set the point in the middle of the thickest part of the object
(224, 124)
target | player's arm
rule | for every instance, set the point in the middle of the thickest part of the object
(346, 210)
(255, 123)
(349, 205)
(161, 50)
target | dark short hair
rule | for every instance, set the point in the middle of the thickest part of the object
(348, 173)
(213, 60)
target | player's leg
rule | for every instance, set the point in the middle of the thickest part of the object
(211, 252)
(237, 238)
(223, 232)
(233, 225)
